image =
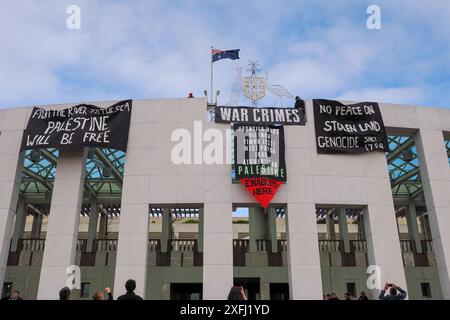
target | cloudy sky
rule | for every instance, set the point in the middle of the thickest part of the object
(161, 49)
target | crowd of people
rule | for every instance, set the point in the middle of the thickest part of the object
(390, 292)
(334, 297)
(66, 294)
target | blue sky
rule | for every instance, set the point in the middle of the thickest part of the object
(160, 49)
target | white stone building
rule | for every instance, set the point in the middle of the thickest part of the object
(172, 227)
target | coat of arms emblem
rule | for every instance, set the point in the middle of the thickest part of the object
(254, 87)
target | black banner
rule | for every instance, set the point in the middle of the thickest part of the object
(285, 116)
(79, 126)
(353, 128)
(259, 151)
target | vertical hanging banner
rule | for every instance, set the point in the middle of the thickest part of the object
(259, 159)
(79, 126)
(353, 128)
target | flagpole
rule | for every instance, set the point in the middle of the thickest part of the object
(211, 94)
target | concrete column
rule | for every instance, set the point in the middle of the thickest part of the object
(271, 220)
(217, 251)
(166, 233)
(435, 175)
(19, 224)
(132, 246)
(413, 228)
(361, 230)
(36, 227)
(343, 229)
(383, 245)
(331, 234)
(425, 226)
(92, 229)
(257, 229)
(265, 291)
(305, 278)
(200, 230)
(63, 223)
(11, 164)
(103, 228)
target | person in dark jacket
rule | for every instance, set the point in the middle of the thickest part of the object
(395, 292)
(237, 293)
(108, 294)
(130, 286)
(363, 297)
(16, 295)
(65, 294)
(334, 297)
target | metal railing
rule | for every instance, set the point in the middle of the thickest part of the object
(358, 245)
(410, 246)
(262, 245)
(154, 244)
(241, 244)
(183, 245)
(338, 245)
(407, 245)
(282, 245)
(330, 245)
(81, 245)
(427, 245)
(31, 244)
(105, 245)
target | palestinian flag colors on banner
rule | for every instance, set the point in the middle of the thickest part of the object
(259, 161)
(263, 189)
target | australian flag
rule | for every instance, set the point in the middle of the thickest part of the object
(224, 54)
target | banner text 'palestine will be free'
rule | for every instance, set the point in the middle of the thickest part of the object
(79, 126)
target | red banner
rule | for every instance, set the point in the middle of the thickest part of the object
(263, 189)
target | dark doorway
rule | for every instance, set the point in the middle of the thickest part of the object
(251, 287)
(279, 291)
(7, 289)
(186, 291)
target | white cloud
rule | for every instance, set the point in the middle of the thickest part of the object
(400, 95)
(152, 49)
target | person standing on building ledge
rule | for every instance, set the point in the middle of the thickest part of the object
(395, 292)
(130, 286)
(299, 104)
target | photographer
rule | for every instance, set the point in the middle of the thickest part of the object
(395, 292)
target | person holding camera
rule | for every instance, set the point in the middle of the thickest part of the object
(395, 292)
